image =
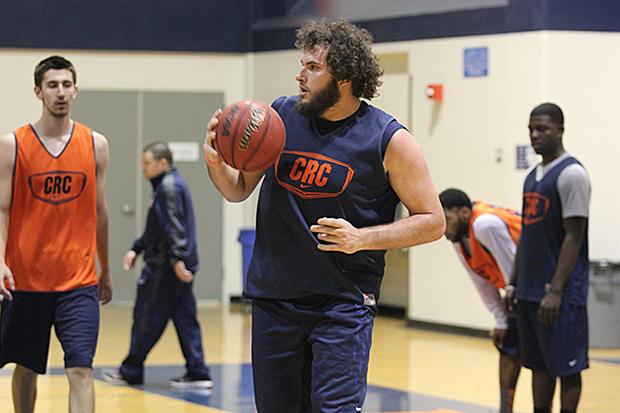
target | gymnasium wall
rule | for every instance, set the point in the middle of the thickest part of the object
(470, 138)
(136, 71)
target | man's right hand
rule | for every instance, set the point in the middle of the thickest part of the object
(510, 299)
(211, 156)
(129, 260)
(6, 277)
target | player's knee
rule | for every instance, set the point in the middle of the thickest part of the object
(574, 380)
(24, 373)
(79, 374)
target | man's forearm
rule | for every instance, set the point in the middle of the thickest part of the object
(231, 183)
(575, 232)
(566, 262)
(407, 232)
(102, 239)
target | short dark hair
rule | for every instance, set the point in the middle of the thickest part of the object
(52, 63)
(349, 53)
(552, 110)
(160, 150)
(454, 198)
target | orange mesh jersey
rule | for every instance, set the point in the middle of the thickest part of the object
(480, 260)
(53, 218)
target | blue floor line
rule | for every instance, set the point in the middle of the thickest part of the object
(612, 360)
(233, 391)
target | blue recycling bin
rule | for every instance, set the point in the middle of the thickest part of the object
(246, 238)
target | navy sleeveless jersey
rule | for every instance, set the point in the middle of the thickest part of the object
(337, 175)
(541, 241)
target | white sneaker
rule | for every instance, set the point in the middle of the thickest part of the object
(112, 376)
(187, 382)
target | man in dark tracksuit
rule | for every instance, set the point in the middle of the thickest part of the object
(165, 285)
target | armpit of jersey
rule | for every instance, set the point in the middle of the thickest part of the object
(311, 175)
(57, 187)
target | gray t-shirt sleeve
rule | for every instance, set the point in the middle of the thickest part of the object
(574, 188)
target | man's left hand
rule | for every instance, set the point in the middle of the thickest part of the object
(339, 234)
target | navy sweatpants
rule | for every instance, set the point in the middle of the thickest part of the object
(160, 298)
(310, 355)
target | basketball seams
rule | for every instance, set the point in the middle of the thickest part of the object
(243, 119)
(277, 128)
(265, 128)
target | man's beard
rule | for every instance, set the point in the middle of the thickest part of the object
(319, 103)
(462, 231)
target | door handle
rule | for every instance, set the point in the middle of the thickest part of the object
(127, 209)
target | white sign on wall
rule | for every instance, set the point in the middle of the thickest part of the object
(185, 151)
(525, 156)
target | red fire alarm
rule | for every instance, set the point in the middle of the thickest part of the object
(434, 91)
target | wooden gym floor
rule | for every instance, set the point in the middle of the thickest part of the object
(411, 371)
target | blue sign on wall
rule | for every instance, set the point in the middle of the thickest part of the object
(476, 62)
(526, 157)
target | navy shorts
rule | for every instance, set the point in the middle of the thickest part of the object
(25, 327)
(310, 355)
(561, 348)
(511, 342)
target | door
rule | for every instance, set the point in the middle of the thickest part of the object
(115, 115)
(131, 120)
(183, 117)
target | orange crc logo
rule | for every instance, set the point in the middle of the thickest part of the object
(310, 172)
(311, 175)
(535, 207)
(57, 187)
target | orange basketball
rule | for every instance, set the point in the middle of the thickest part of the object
(250, 135)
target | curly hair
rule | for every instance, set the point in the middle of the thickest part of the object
(349, 53)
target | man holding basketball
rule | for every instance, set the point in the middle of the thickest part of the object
(53, 222)
(325, 218)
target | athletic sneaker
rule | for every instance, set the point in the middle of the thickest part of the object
(112, 376)
(187, 382)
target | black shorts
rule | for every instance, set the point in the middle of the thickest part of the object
(561, 348)
(25, 327)
(511, 342)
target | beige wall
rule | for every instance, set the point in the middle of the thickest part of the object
(469, 141)
(482, 119)
(479, 120)
(460, 137)
(583, 74)
(136, 71)
(578, 71)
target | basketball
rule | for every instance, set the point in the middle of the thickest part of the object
(250, 135)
